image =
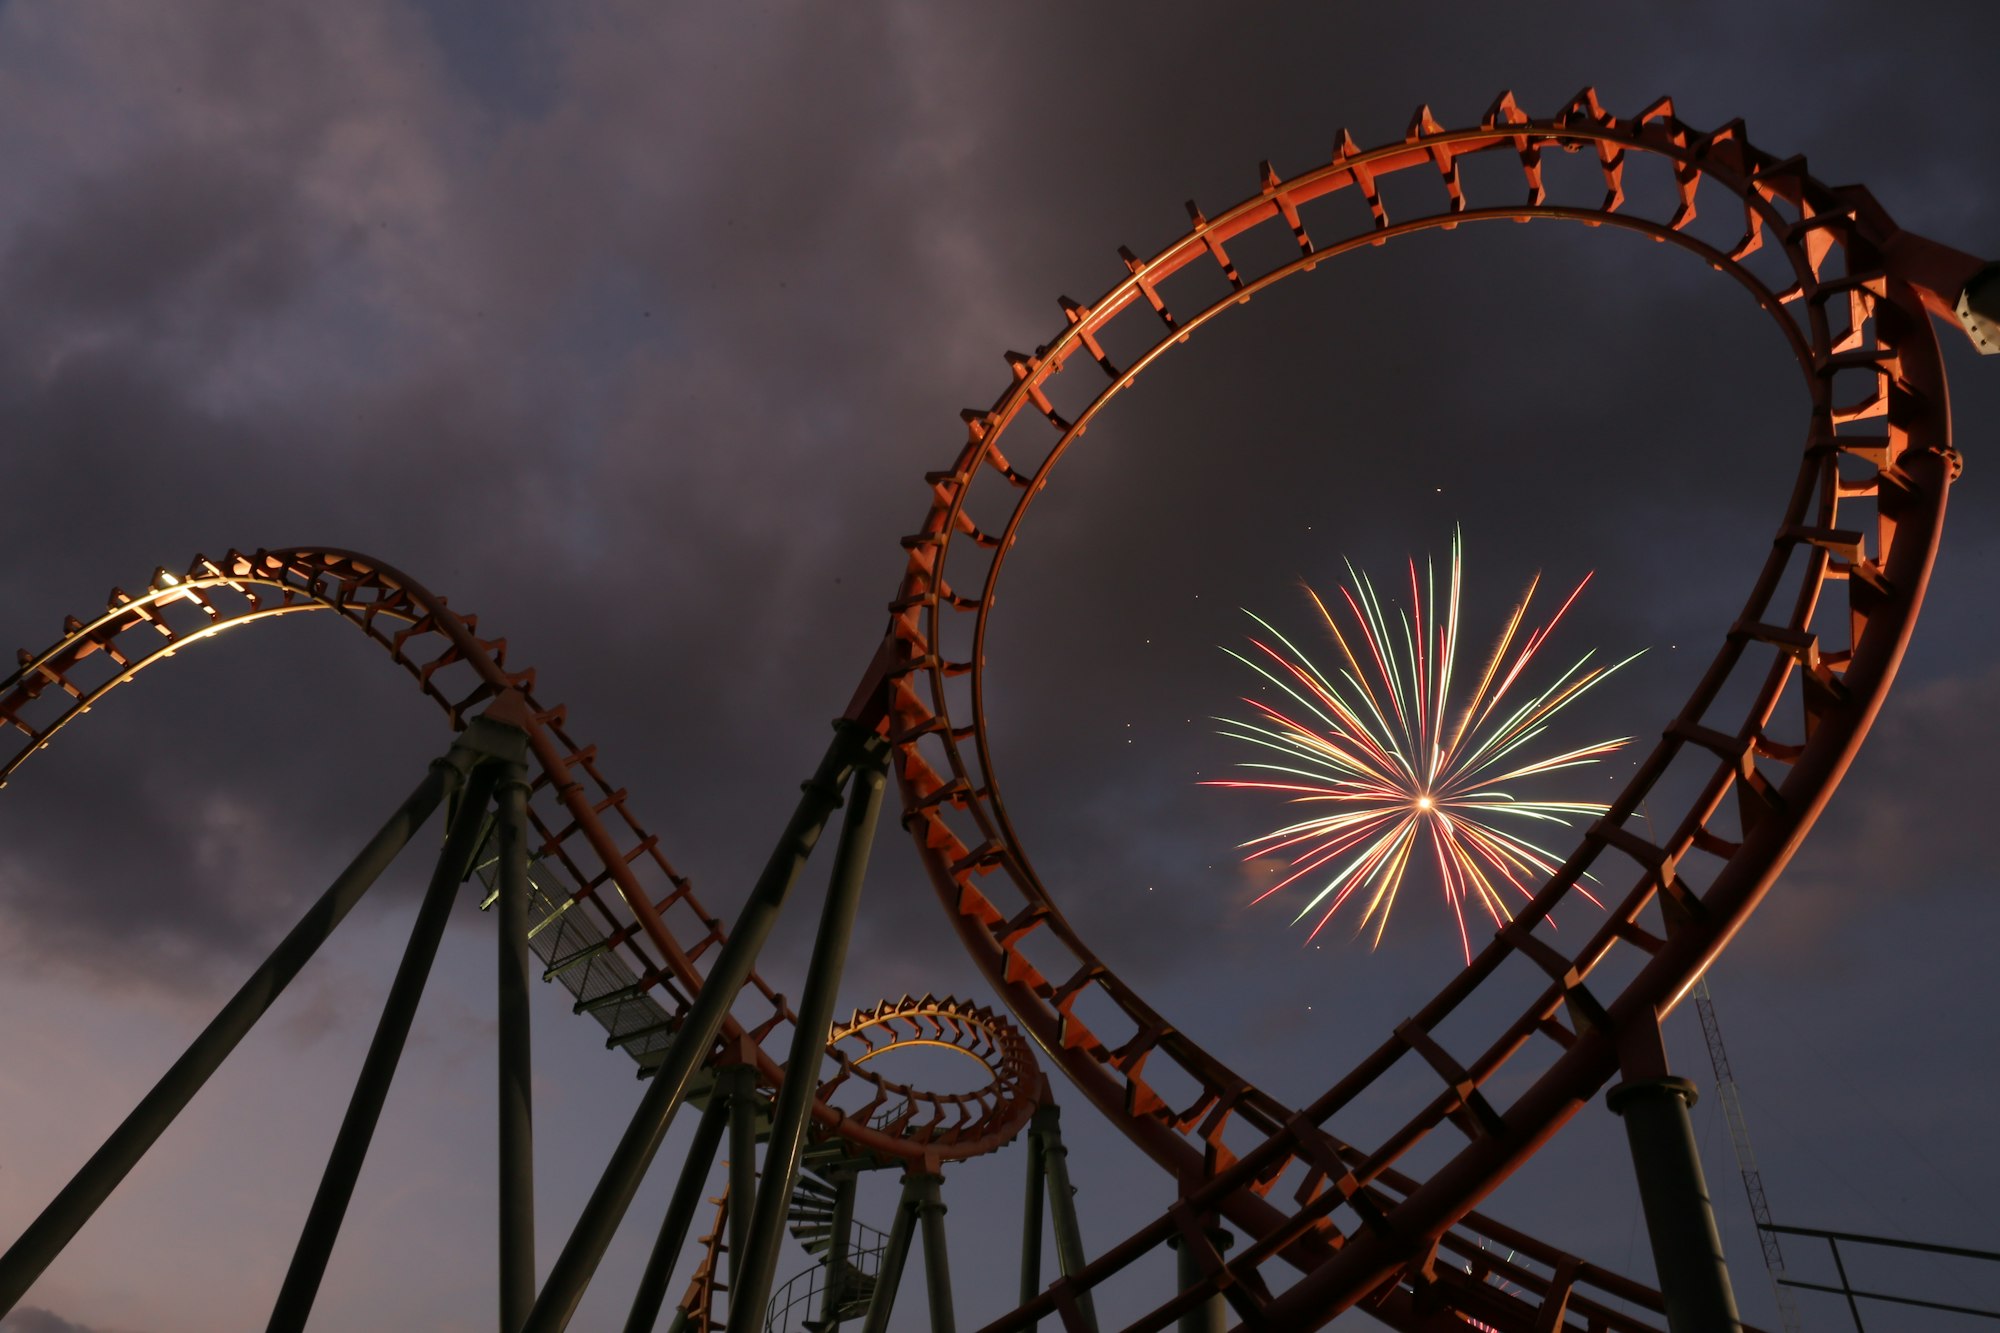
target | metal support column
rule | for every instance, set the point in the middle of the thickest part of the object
(378, 1068)
(764, 1226)
(1687, 1249)
(652, 1293)
(634, 1151)
(1047, 1125)
(839, 1251)
(1031, 1223)
(66, 1214)
(895, 1254)
(1212, 1315)
(740, 1082)
(517, 1108)
(929, 1205)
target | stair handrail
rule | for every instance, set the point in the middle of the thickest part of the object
(864, 1260)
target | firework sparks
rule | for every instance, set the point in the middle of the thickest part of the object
(1395, 770)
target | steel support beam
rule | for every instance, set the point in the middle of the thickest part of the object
(517, 1107)
(378, 1067)
(740, 1084)
(929, 1206)
(653, 1283)
(839, 1252)
(1680, 1223)
(764, 1225)
(895, 1254)
(1031, 1224)
(1212, 1315)
(1047, 1125)
(692, 1045)
(66, 1214)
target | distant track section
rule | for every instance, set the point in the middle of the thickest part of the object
(609, 915)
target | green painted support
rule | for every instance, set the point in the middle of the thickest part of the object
(937, 1264)
(517, 1106)
(1680, 1221)
(378, 1067)
(763, 1228)
(839, 1253)
(1212, 1315)
(692, 1045)
(1046, 1124)
(66, 1214)
(739, 1084)
(652, 1293)
(895, 1254)
(1031, 1224)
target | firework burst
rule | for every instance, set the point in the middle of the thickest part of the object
(1395, 770)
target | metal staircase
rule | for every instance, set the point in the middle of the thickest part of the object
(841, 1283)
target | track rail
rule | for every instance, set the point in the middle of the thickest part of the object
(611, 916)
(1367, 1221)
(974, 1031)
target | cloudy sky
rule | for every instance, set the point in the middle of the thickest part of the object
(634, 329)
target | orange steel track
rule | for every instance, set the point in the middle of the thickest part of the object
(611, 917)
(1364, 1222)
(1331, 1223)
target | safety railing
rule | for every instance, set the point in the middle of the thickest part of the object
(1854, 1295)
(799, 1303)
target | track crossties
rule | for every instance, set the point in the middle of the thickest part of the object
(1823, 627)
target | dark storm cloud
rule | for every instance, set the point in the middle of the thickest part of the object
(1901, 835)
(130, 284)
(179, 233)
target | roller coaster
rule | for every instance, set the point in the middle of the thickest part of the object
(1280, 1219)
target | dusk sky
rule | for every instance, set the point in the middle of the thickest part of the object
(634, 329)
